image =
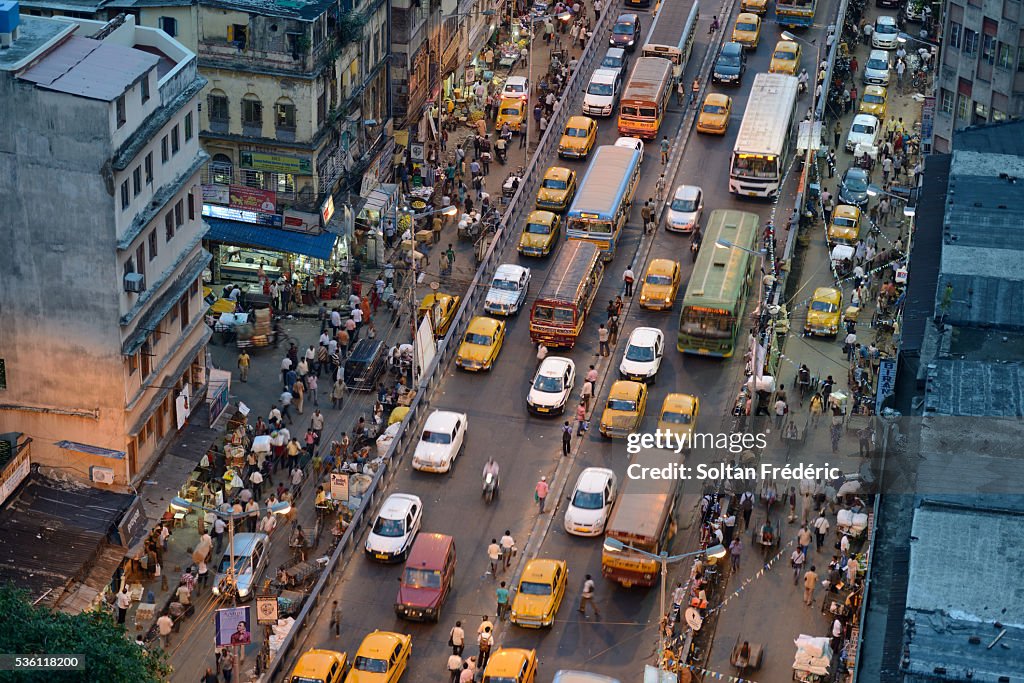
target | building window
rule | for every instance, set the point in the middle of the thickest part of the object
(284, 114)
(121, 116)
(946, 102)
(955, 31)
(980, 113)
(133, 363)
(252, 112)
(146, 362)
(218, 105)
(149, 168)
(988, 48)
(183, 313)
(125, 195)
(191, 206)
(237, 35)
(222, 169)
(136, 181)
(179, 210)
(129, 266)
(1020, 58)
(282, 182)
(999, 116)
(1005, 58)
(252, 178)
(152, 244)
(145, 88)
(970, 42)
(962, 105)
(3, 374)
(193, 289)
(169, 25)
(168, 226)
(175, 142)
(321, 109)
(188, 126)
(163, 150)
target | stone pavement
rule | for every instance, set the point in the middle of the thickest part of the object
(769, 608)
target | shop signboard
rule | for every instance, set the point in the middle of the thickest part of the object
(216, 194)
(253, 199)
(266, 609)
(301, 221)
(327, 209)
(886, 382)
(416, 151)
(15, 473)
(339, 486)
(132, 523)
(927, 123)
(276, 163)
(233, 626)
(255, 217)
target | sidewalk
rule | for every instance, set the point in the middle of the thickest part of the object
(769, 609)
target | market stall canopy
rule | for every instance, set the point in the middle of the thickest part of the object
(274, 239)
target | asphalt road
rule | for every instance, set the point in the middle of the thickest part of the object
(527, 447)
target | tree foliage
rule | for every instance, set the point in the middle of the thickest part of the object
(109, 653)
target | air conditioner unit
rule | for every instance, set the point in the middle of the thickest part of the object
(134, 282)
(101, 475)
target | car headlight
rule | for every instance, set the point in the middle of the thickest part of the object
(630, 42)
(242, 592)
(668, 300)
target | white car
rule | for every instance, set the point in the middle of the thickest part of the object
(642, 358)
(395, 528)
(443, 438)
(516, 86)
(876, 69)
(685, 210)
(886, 33)
(508, 290)
(632, 143)
(590, 502)
(602, 93)
(863, 131)
(552, 386)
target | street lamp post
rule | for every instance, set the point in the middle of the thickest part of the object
(714, 552)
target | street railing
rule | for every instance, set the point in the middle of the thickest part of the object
(520, 203)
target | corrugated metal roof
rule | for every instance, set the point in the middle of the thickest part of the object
(926, 250)
(90, 68)
(275, 239)
(975, 388)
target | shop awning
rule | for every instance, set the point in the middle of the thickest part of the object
(274, 239)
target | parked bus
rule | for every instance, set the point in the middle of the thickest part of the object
(645, 98)
(560, 310)
(672, 33)
(712, 312)
(601, 207)
(765, 141)
(644, 518)
(795, 13)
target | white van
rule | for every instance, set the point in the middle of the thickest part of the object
(602, 93)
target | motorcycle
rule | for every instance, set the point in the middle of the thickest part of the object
(490, 487)
(501, 154)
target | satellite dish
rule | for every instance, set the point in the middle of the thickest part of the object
(693, 618)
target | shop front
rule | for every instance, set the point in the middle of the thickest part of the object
(368, 234)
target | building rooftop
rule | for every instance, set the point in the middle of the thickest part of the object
(90, 68)
(34, 33)
(290, 9)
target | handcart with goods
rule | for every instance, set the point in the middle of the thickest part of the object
(812, 660)
(746, 656)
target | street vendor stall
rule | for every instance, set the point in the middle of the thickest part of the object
(813, 658)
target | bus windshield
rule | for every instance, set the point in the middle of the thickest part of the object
(707, 324)
(593, 227)
(753, 166)
(639, 111)
(553, 314)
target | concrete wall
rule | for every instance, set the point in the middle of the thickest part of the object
(187, 18)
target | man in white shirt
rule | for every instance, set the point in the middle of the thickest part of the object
(335, 320)
(286, 365)
(123, 602)
(256, 482)
(507, 544)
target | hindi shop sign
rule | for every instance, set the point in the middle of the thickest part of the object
(252, 199)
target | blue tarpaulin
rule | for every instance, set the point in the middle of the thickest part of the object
(273, 239)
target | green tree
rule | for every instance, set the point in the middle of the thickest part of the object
(108, 652)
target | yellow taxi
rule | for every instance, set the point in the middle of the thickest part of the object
(823, 312)
(845, 225)
(511, 665)
(679, 414)
(661, 283)
(578, 138)
(539, 594)
(557, 189)
(754, 6)
(786, 58)
(624, 409)
(442, 308)
(381, 658)
(481, 344)
(874, 101)
(320, 666)
(714, 113)
(511, 110)
(540, 234)
(747, 30)
(217, 304)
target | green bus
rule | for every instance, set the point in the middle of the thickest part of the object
(712, 312)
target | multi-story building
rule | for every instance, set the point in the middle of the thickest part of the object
(102, 340)
(981, 66)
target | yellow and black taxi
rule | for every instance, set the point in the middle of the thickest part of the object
(217, 305)
(785, 58)
(578, 138)
(754, 6)
(481, 344)
(823, 312)
(511, 110)
(624, 408)
(382, 657)
(441, 307)
(539, 593)
(320, 666)
(511, 665)
(660, 285)
(747, 30)
(845, 225)
(714, 114)
(557, 189)
(679, 414)
(540, 234)
(874, 101)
